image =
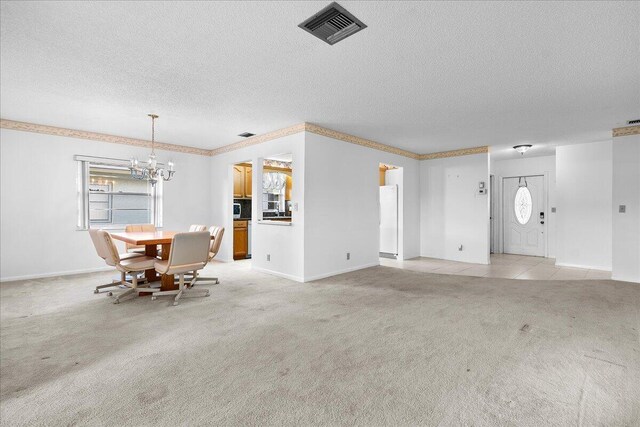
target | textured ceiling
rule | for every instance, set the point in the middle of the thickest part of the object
(425, 77)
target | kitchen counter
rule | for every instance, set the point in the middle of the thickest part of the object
(286, 221)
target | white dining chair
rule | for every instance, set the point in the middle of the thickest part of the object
(189, 253)
(133, 266)
(103, 253)
(197, 227)
(214, 247)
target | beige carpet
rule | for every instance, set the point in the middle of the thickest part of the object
(381, 346)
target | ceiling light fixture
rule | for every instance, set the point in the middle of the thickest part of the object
(246, 134)
(522, 148)
(150, 171)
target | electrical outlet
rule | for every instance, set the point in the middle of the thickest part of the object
(268, 257)
(622, 208)
(460, 247)
(348, 256)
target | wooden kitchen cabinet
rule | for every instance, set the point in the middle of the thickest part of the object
(238, 182)
(242, 181)
(248, 170)
(240, 239)
(287, 188)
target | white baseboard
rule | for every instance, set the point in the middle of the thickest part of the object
(587, 267)
(335, 273)
(626, 279)
(277, 273)
(55, 274)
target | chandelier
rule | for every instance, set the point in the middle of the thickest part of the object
(150, 171)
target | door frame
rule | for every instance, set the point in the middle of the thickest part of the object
(545, 197)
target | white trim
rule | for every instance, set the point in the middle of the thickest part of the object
(625, 279)
(346, 270)
(55, 274)
(545, 197)
(277, 273)
(584, 267)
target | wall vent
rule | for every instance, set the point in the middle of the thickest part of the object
(332, 24)
(634, 122)
(246, 134)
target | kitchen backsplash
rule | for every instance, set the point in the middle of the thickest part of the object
(245, 205)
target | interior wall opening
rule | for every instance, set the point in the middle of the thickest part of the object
(242, 209)
(390, 181)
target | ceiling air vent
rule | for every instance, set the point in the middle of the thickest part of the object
(332, 24)
(634, 122)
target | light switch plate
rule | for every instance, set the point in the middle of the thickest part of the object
(553, 210)
(622, 208)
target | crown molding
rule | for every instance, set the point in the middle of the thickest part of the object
(318, 130)
(626, 131)
(94, 136)
(254, 140)
(455, 153)
(259, 139)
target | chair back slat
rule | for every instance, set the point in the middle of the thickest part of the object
(197, 227)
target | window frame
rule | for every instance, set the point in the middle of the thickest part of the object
(84, 164)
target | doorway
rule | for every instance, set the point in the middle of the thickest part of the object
(389, 210)
(523, 215)
(242, 204)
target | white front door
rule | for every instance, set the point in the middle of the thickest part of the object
(524, 214)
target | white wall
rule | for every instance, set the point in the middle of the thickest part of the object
(285, 244)
(342, 213)
(451, 210)
(38, 201)
(584, 199)
(543, 165)
(626, 226)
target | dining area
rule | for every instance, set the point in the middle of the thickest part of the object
(157, 262)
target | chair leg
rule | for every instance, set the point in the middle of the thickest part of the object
(106, 285)
(215, 280)
(124, 294)
(181, 291)
(133, 289)
(197, 278)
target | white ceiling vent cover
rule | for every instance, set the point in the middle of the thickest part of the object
(332, 24)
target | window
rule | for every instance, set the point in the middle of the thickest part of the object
(522, 205)
(108, 197)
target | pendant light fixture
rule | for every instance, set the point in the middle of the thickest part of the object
(150, 171)
(522, 148)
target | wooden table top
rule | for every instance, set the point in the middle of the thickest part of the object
(145, 237)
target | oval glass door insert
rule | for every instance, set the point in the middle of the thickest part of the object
(522, 205)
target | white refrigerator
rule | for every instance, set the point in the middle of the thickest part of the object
(389, 219)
